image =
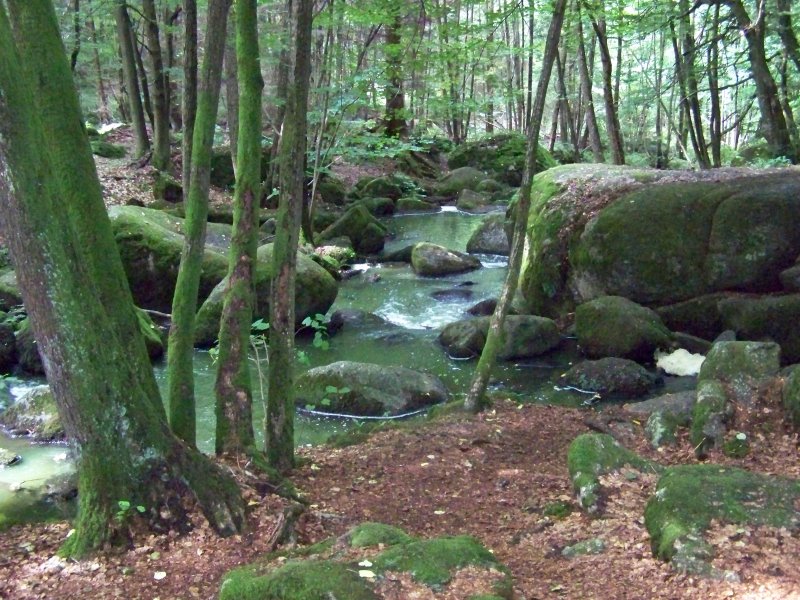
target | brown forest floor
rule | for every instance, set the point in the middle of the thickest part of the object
(489, 476)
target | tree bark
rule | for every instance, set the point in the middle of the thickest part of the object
(184, 303)
(231, 79)
(279, 433)
(161, 150)
(233, 388)
(189, 89)
(612, 120)
(586, 91)
(78, 300)
(128, 53)
(394, 117)
(476, 398)
(103, 113)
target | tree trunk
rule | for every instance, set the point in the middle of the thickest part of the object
(161, 151)
(279, 433)
(128, 53)
(586, 91)
(143, 82)
(233, 388)
(78, 300)
(394, 118)
(612, 121)
(189, 89)
(76, 31)
(230, 76)
(184, 302)
(171, 15)
(476, 398)
(103, 113)
(786, 31)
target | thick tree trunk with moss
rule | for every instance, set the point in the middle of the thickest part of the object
(231, 78)
(128, 53)
(180, 371)
(79, 303)
(395, 118)
(280, 402)
(476, 397)
(233, 387)
(161, 151)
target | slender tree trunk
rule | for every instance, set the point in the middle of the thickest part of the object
(394, 118)
(476, 398)
(715, 117)
(161, 151)
(232, 86)
(103, 113)
(233, 388)
(128, 53)
(612, 120)
(279, 433)
(184, 303)
(143, 82)
(76, 31)
(586, 90)
(786, 31)
(78, 301)
(189, 89)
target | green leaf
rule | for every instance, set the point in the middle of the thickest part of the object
(325, 402)
(331, 389)
(123, 504)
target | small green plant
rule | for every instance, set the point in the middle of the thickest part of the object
(319, 324)
(127, 511)
(331, 393)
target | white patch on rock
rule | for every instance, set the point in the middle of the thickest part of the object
(680, 362)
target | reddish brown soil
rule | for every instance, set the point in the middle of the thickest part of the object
(490, 476)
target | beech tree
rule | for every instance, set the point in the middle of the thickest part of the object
(53, 218)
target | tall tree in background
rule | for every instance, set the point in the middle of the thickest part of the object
(233, 388)
(394, 117)
(476, 397)
(184, 303)
(80, 305)
(189, 108)
(128, 54)
(280, 402)
(161, 150)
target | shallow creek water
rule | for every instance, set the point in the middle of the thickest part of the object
(407, 336)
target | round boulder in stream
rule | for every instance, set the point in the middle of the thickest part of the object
(367, 389)
(434, 260)
(525, 336)
(611, 376)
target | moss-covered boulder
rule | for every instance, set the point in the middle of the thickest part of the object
(222, 173)
(689, 497)
(382, 187)
(150, 243)
(766, 318)
(107, 149)
(434, 261)
(34, 414)
(502, 156)
(28, 357)
(167, 188)
(656, 237)
(368, 389)
(332, 190)
(616, 326)
(376, 534)
(741, 363)
(591, 455)
(524, 336)
(365, 232)
(379, 207)
(10, 295)
(664, 415)
(698, 316)
(411, 204)
(471, 201)
(615, 377)
(491, 237)
(463, 178)
(297, 580)
(315, 292)
(8, 347)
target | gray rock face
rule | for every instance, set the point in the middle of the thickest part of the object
(773, 317)
(679, 403)
(524, 336)
(9, 290)
(490, 237)
(616, 326)
(469, 200)
(365, 232)
(368, 389)
(611, 376)
(34, 414)
(434, 260)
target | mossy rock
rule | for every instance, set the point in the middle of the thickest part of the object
(433, 562)
(524, 336)
(332, 190)
(471, 201)
(662, 427)
(698, 316)
(655, 237)
(558, 510)
(616, 377)
(379, 207)
(490, 237)
(297, 580)
(410, 204)
(222, 174)
(502, 156)
(463, 178)
(689, 497)
(382, 187)
(741, 362)
(375, 534)
(765, 318)
(167, 188)
(365, 232)
(593, 454)
(616, 326)
(315, 292)
(34, 413)
(433, 260)
(10, 295)
(791, 398)
(150, 243)
(584, 548)
(107, 149)
(710, 416)
(28, 356)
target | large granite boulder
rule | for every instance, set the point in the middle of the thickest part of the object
(773, 318)
(618, 377)
(656, 237)
(434, 260)
(490, 237)
(616, 326)
(365, 232)
(524, 336)
(502, 156)
(463, 178)
(368, 389)
(150, 243)
(315, 292)
(34, 414)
